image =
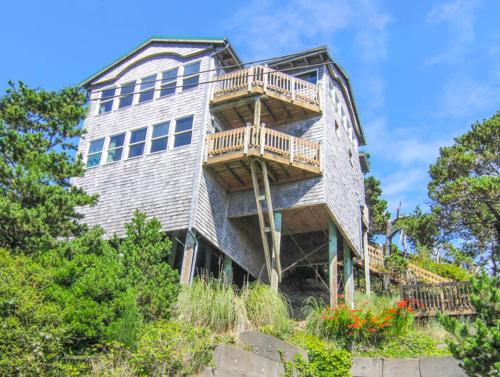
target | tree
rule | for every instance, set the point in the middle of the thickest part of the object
(37, 199)
(477, 344)
(420, 228)
(377, 207)
(465, 190)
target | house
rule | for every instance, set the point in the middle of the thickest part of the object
(253, 169)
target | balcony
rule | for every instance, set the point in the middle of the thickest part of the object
(285, 98)
(288, 158)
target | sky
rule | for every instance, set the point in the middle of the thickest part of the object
(422, 71)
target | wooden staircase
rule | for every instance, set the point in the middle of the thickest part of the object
(376, 263)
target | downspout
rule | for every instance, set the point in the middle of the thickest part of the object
(195, 255)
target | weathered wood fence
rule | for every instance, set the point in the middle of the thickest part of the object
(452, 298)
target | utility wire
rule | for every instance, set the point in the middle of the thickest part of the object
(201, 83)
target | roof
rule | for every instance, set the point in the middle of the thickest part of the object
(165, 39)
(323, 50)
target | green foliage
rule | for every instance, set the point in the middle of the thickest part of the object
(465, 190)
(446, 270)
(125, 329)
(396, 264)
(477, 344)
(37, 200)
(420, 227)
(172, 348)
(376, 205)
(325, 359)
(145, 251)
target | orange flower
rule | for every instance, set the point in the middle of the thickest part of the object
(401, 304)
(387, 318)
(354, 326)
(410, 309)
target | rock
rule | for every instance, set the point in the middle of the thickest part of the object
(270, 347)
(440, 367)
(401, 368)
(367, 367)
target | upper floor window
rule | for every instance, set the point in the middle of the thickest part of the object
(107, 97)
(168, 82)
(115, 148)
(159, 138)
(147, 88)
(127, 94)
(95, 152)
(137, 142)
(311, 76)
(183, 131)
(191, 76)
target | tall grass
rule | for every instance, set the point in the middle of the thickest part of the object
(312, 310)
(213, 304)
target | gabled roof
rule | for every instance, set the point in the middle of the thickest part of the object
(323, 52)
(165, 39)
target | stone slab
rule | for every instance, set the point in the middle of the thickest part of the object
(367, 367)
(401, 368)
(440, 367)
(270, 347)
(233, 362)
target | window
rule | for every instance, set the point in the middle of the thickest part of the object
(147, 88)
(115, 148)
(127, 94)
(191, 76)
(107, 97)
(168, 82)
(137, 142)
(159, 139)
(311, 76)
(95, 152)
(183, 131)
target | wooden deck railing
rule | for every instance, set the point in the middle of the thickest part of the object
(376, 256)
(269, 80)
(449, 298)
(263, 139)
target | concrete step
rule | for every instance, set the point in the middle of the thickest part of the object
(270, 347)
(423, 367)
(234, 362)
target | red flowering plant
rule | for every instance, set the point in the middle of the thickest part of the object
(366, 325)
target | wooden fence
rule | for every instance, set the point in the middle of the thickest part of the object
(452, 298)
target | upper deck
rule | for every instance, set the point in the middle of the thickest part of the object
(285, 98)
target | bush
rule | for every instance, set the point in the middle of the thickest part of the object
(325, 359)
(477, 344)
(446, 270)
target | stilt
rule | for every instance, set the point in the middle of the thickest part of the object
(348, 278)
(275, 276)
(228, 271)
(173, 251)
(332, 263)
(187, 259)
(208, 260)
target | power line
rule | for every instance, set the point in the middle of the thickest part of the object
(215, 69)
(200, 83)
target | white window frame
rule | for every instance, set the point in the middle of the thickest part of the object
(108, 149)
(91, 154)
(182, 132)
(110, 99)
(167, 136)
(174, 80)
(153, 89)
(130, 144)
(129, 94)
(191, 75)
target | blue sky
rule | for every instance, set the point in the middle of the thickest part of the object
(422, 71)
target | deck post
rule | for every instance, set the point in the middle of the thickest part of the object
(246, 138)
(228, 271)
(256, 112)
(208, 259)
(187, 259)
(173, 250)
(367, 263)
(348, 278)
(275, 277)
(332, 263)
(262, 138)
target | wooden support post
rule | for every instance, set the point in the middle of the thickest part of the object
(348, 278)
(332, 263)
(275, 277)
(367, 263)
(173, 251)
(228, 271)
(187, 259)
(256, 114)
(208, 260)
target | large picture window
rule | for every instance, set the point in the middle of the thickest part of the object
(137, 142)
(95, 152)
(147, 88)
(183, 131)
(115, 148)
(159, 138)
(106, 104)
(191, 76)
(127, 94)
(168, 82)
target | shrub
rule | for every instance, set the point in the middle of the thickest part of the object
(477, 344)
(446, 270)
(325, 359)
(266, 310)
(172, 348)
